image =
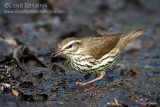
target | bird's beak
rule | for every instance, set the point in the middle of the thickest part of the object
(59, 53)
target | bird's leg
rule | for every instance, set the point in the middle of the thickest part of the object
(94, 78)
(99, 78)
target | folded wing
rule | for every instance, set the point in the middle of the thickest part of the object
(99, 46)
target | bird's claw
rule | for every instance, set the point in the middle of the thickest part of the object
(81, 83)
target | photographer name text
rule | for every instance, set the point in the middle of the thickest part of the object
(25, 5)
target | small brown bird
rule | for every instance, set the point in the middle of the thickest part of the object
(94, 54)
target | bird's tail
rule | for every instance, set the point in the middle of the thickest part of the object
(126, 39)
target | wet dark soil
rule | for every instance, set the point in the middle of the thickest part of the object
(31, 76)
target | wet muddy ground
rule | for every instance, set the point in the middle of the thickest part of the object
(31, 76)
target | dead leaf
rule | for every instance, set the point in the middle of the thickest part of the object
(131, 73)
(1, 77)
(116, 101)
(15, 92)
(64, 81)
(5, 86)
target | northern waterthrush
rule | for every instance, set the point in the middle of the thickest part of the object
(94, 54)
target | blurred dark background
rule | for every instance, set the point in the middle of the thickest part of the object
(81, 18)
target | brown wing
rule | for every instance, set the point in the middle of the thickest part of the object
(99, 46)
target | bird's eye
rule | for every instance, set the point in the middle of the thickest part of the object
(70, 46)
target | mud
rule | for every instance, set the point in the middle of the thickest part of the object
(31, 76)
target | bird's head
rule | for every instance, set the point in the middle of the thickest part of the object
(69, 46)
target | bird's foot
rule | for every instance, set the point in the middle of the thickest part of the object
(89, 89)
(81, 83)
(96, 79)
